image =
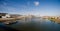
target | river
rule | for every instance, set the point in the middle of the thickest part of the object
(36, 24)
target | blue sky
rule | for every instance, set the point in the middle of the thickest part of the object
(35, 7)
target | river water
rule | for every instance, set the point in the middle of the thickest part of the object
(36, 24)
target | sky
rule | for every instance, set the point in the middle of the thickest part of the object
(34, 7)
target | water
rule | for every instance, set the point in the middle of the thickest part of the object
(36, 24)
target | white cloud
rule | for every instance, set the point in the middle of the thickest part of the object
(36, 3)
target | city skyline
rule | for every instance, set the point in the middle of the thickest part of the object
(34, 7)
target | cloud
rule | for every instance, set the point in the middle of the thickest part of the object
(36, 3)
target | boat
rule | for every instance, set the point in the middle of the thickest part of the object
(10, 22)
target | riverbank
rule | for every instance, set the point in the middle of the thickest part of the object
(55, 20)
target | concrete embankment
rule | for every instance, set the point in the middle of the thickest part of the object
(6, 19)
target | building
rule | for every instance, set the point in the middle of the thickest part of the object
(4, 15)
(59, 17)
(45, 17)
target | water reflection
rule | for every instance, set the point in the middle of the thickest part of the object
(36, 25)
